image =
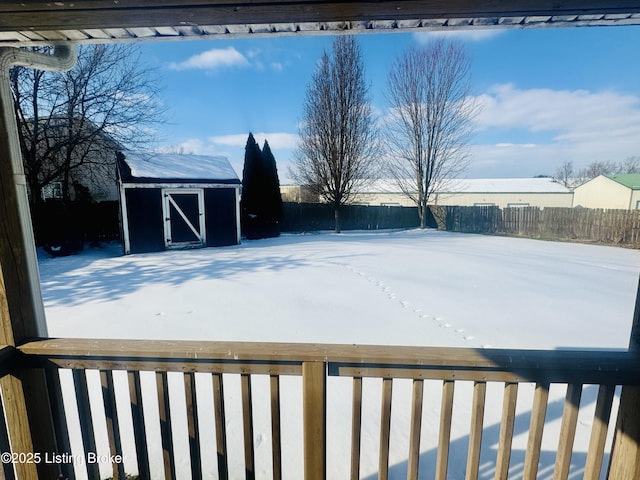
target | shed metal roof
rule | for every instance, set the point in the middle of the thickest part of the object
(86, 21)
(629, 180)
(165, 167)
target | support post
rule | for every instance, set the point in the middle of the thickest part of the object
(314, 400)
(24, 391)
(625, 452)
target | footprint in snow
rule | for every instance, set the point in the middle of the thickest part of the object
(459, 330)
(469, 337)
(405, 304)
(444, 325)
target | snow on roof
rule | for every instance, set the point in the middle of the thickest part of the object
(479, 185)
(506, 185)
(180, 166)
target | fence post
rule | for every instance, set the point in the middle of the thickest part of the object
(625, 452)
(314, 406)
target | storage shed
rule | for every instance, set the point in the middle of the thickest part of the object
(618, 192)
(171, 201)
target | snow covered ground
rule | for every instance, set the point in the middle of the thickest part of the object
(391, 288)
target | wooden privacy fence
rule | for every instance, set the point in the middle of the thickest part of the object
(614, 227)
(305, 217)
(101, 371)
(55, 220)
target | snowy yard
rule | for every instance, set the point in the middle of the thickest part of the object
(391, 288)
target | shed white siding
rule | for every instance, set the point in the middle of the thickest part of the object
(501, 192)
(603, 192)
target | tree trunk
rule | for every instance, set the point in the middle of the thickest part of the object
(422, 213)
(35, 192)
(336, 216)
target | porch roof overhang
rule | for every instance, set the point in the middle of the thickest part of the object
(92, 21)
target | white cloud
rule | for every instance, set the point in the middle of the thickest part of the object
(472, 35)
(577, 125)
(212, 59)
(276, 139)
(515, 145)
(571, 115)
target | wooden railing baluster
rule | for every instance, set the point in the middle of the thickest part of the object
(192, 425)
(166, 432)
(276, 441)
(86, 421)
(247, 424)
(599, 429)
(625, 452)
(356, 427)
(475, 435)
(506, 430)
(314, 408)
(416, 428)
(385, 428)
(536, 428)
(444, 437)
(113, 425)
(315, 362)
(139, 429)
(221, 429)
(567, 431)
(63, 443)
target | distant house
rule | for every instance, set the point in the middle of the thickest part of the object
(90, 171)
(501, 192)
(297, 194)
(621, 192)
(177, 201)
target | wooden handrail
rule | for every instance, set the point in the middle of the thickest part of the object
(584, 366)
(7, 356)
(314, 363)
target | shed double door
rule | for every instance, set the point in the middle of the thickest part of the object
(184, 219)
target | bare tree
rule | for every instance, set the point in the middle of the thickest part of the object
(430, 120)
(565, 174)
(630, 165)
(177, 150)
(337, 149)
(75, 121)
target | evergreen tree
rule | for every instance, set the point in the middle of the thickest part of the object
(250, 201)
(272, 198)
(261, 204)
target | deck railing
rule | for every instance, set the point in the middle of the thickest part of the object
(74, 367)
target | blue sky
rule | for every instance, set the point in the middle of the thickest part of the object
(547, 95)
